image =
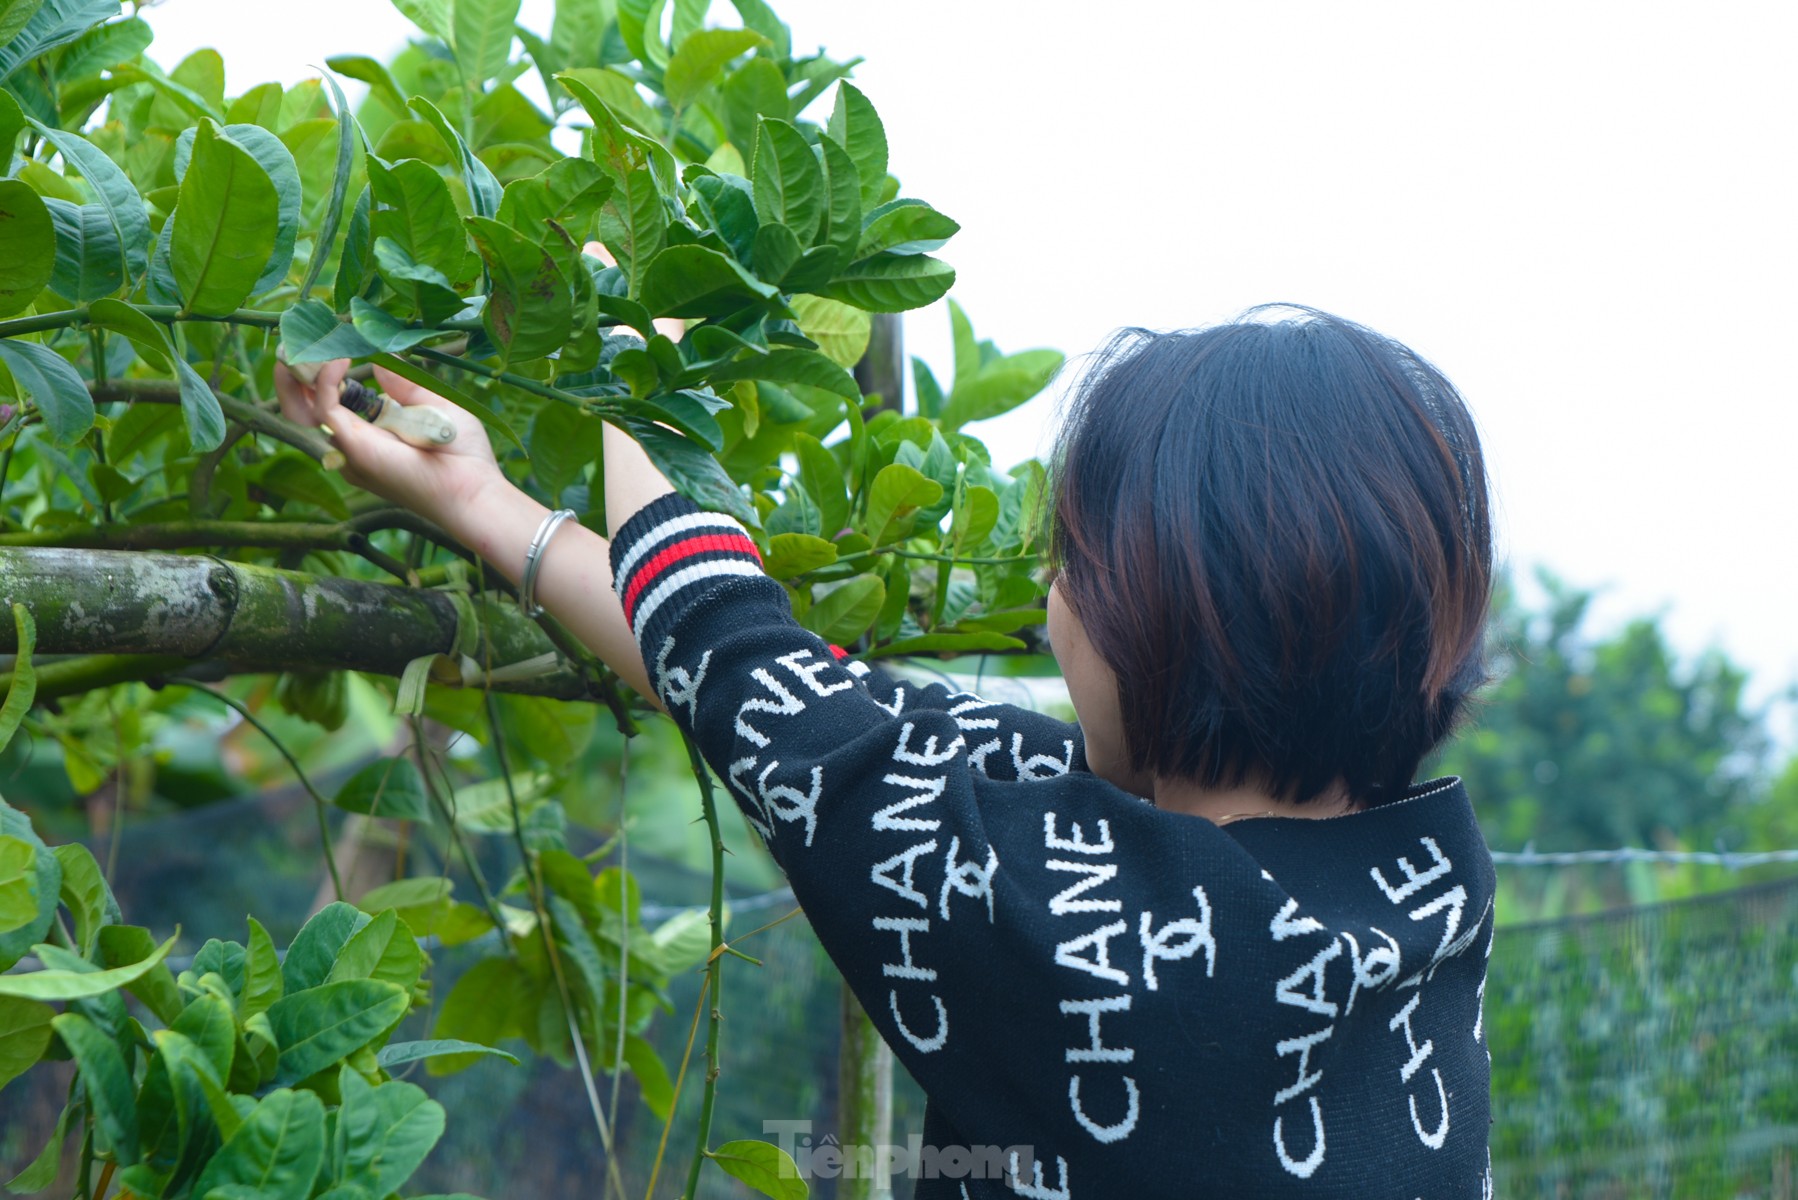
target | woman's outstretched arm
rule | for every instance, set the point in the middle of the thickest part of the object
(461, 488)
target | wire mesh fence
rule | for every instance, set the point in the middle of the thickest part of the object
(1651, 1052)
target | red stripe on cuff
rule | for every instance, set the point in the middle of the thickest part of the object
(705, 543)
(838, 652)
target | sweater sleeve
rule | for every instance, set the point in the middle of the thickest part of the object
(671, 557)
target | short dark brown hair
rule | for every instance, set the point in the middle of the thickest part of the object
(1275, 532)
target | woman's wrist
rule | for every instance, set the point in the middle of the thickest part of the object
(496, 520)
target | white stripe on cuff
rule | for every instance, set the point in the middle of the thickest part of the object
(681, 578)
(666, 530)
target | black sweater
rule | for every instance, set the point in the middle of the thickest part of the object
(1099, 998)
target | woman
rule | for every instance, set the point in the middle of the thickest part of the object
(1209, 941)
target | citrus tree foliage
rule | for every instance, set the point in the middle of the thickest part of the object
(161, 240)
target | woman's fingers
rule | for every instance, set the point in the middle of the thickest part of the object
(327, 385)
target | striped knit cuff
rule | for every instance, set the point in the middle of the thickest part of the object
(667, 548)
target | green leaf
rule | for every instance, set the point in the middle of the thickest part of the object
(483, 188)
(340, 186)
(187, 1067)
(891, 282)
(564, 442)
(47, 25)
(841, 332)
(905, 227)
(106, 1079)
(121, 945)
(418, 214)
(822, 476)
(845, 613)
(754, 90)
(692, 471)
(701, 57)
(422, 903)
(40, 1173)
(12, 119)
(841, 227)
(570, 192)
(856, 127)
(275, 1154)
(27, 246)
(695, 281)
(18, 883)
(791, 365)
(383, 330)
(428, 289)
(311, 333)
(634, 223)
(640, 26)
(316, 946)
(384, 949)
(386, 787)
(791, 554)
(19, 697)
(85, 893)
(372, 72)
(1000, 386)
(898, 491)
(262, 982)
(208, 1025)
(653, 1083)
(432, 16)
(624, 104)
(530, 311)
(775, 251)
(383, 1133)
(90, 262)
(967, 347)
(400, 1053)
(277, 161)
(789, 183)
(225, 224)
(24, 1034)
(321, 1025)
(298, 477)
(482, 33)
(53, 385)
(199, 406)
(763, 1166)
(102, 47)
(482, 1008)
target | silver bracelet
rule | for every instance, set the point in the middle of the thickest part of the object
(533, 558)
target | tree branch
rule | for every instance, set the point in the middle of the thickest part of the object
(141, 616)
(257, 420)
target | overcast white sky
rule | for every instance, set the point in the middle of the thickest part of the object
(1582, 213)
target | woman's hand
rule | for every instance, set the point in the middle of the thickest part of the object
(439, 484)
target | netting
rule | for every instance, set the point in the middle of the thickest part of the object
(1647, 1053)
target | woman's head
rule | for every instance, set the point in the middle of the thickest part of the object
(1274, 535)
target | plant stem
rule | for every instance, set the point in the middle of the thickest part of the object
(318, 801)
(259, 420)
(534, 876)
(624, 945)
(938, 558)
(709, 1097)
(680, 1077)
(436, 795)
(507, 377)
